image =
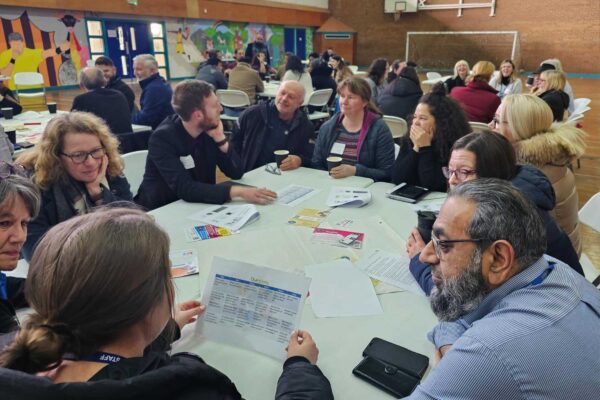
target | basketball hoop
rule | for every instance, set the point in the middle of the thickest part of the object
(397, 15)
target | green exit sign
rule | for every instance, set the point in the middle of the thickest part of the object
(132, 2)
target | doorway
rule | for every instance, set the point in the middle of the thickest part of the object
(125, 40)
(295, 41)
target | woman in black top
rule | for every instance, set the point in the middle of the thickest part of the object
(437, 123)
(320, 73)
(461, 71)
(551, 90)
(100, 297)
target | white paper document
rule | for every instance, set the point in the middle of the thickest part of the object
(252, 307)
(293, 195)
(389, 268)
(232, 217)
(338, 289)
(348, 197)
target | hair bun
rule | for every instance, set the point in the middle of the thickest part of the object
(33, 350)
(439, 89)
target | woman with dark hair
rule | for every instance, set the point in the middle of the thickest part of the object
(357, 134)
(19, 203)
(212, 72)
(437, 123)
(320, 74)
(400, 97)
(376, 75)
(491, 155)
(259, 63)
(478, 98)
(294, 71)
(100, 298)
(340, 69)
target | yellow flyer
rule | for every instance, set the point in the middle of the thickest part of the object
(308, 217)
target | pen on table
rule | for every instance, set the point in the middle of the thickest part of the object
(32, 123)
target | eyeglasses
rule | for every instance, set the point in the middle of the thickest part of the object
(7, 169)
(272, 169)
(461, 173)
(444, 246)
(81, 156)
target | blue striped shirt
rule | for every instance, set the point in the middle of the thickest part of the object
(526, 340)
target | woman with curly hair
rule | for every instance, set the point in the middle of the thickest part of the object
(377, 74)
(437, 123)
(77, 166)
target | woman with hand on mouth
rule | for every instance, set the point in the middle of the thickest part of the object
(77, 167)
(19, 203)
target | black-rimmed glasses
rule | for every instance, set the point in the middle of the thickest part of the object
(443, 246)
(79, 157)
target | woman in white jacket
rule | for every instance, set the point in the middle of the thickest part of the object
(294, 71)
(506, 80)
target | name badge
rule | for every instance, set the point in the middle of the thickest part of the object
(187, 161)
(338, 148)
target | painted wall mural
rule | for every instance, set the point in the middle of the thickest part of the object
(51, 43)
(188, 41)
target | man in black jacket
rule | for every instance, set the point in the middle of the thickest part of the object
(186, 148)
(108, 104)
(258, 46)
(279, 125)
(109, 70)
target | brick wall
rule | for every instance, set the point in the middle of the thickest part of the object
(566, 29)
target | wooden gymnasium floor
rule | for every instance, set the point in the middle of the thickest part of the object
(587, 177)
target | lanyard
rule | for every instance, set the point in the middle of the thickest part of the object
(540, 278)
(3, 291)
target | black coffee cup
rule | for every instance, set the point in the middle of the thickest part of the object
(51, 108)
(425, 224)
(12, 136)
(267, 78)
(280, 155)
(333, 161)
(7, 112)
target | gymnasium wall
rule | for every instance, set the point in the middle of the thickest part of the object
(568, 30)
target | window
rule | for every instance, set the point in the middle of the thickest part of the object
(95, 32)
(159, 46)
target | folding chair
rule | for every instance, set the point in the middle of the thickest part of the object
(29, 85)
(397, 125)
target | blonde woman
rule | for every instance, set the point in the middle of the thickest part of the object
(77, 166)
(551, 89)
(526, 121)
(478, 98)
(555, 62)
(506, 80)
(461, 71)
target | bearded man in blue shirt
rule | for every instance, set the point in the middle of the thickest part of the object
(514, 324)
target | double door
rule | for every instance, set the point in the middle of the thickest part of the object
(125, 40)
